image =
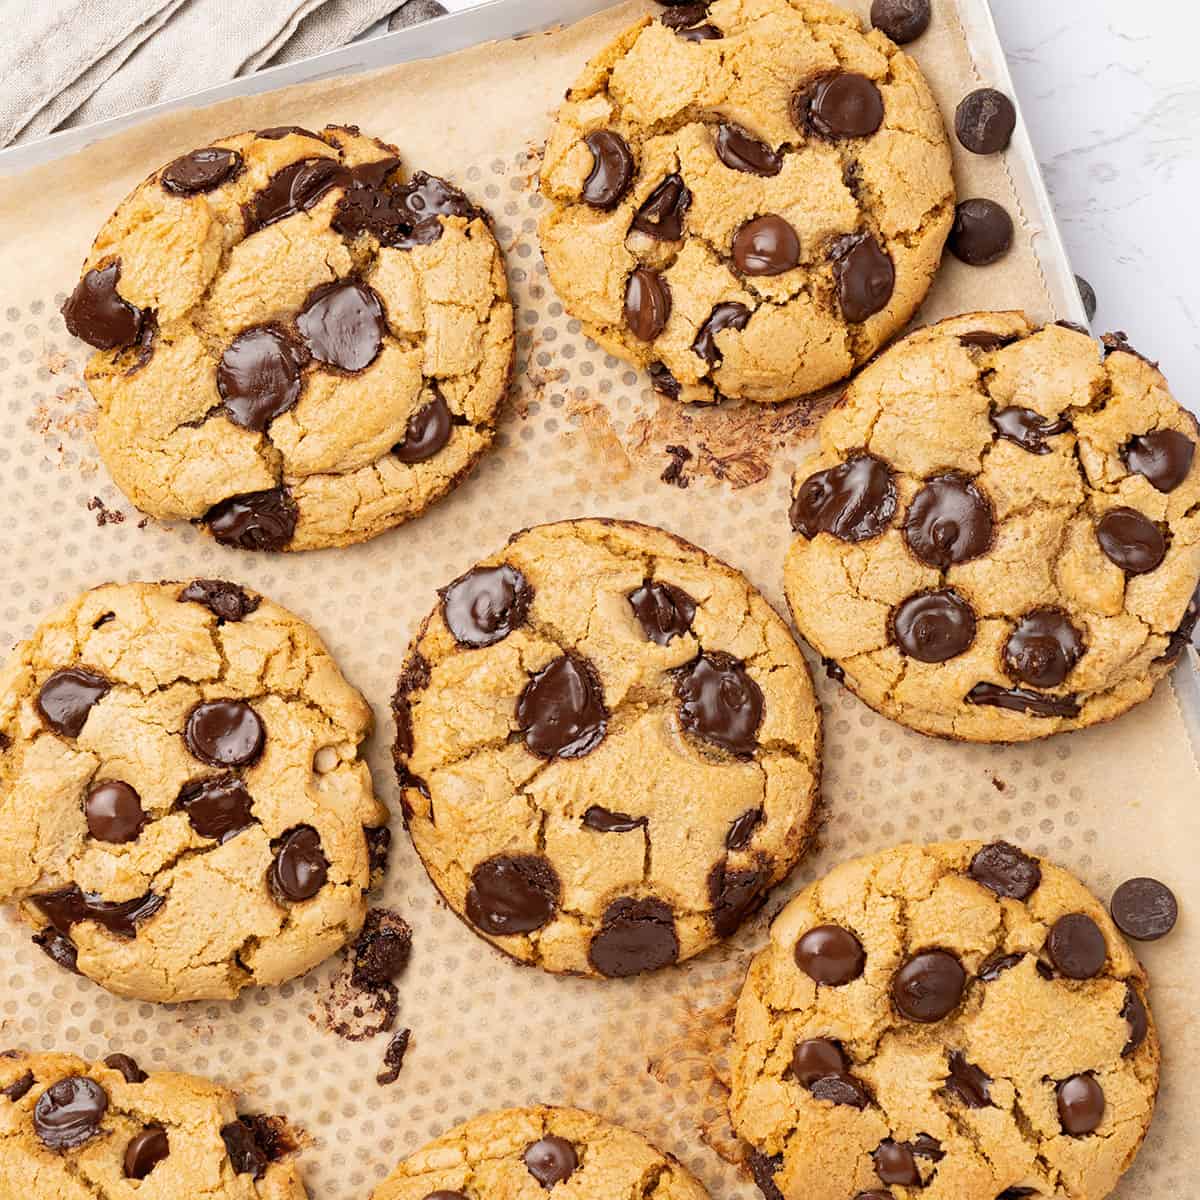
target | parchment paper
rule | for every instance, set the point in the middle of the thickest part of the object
(584, 435)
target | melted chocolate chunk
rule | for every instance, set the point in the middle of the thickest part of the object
(612, 169)
(400, 217)
(864, 274)
(19, 1087)
(948, 522)
(1020, 700)
(830, 955)
(1043, 649)
(1076, 946)
(741, 152)
(988, 342)
(68, 906)
(1080, 1105)
(833, 670)
(294, 188)
(663, 610)
(720, 702)
(933, 627)
(661, 215)
(513, 894)
(226, 601)
(854, 501)
(681, 15)
(486, 604)
(1134, 1011)
(984, 121)
(635, 936)
(69, 1112)
(113, 811)
(201, 170)
(66, 698)
(1144, 909)
(145, 1151)
(259, 377)
(1131, 540)
(982, 232)
(995, 966)
(225, 733)
(647, 303)
(561, 709)
(841, 1089)
(1163, 456)
(382, 950)
(427, 431)
(96, 313)
(766, 245)
(742, 830)
(840, 105)
(219, 807)
(734, 896)
(929, 986)
(342, 325)
(727, 315)
(817, 1058)
(278, 132)
(127, 1066)
(1028, 429)
(662, 381)
(762, 1170)
(1006, 870)
(966, 1082)
(245, 1154)
(299, 869)
(902, 20)
(393, 1057)
(700, 33)
(58, 948)
(895, 1163)
(255, 520)
(551, 1160)
(603, 820)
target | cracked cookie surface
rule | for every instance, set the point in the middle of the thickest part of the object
(954, 1022)
(1000, 539)
(298, 344)
(522, 1153)
(183, 809)
(608, 744)
(748, 198)
(74, 1130)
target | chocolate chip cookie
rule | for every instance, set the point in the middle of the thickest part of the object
(523, 1151)
(608, 745)
(183, 808)
(108, 1131)
(298, 344)
(963, 1019)
(1000, 537)
(746, 200)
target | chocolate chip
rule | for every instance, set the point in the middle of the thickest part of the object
(561, 709)
(443, 1194)
(766, 245)
(854, 501)
(1076, 946)
(1021, 700)
(513, 894)
(841, 1089)
(254, 520)
(924, 1146)
(902, 20)
(1087, 294)
(393, 1057)
(988, 342)
(982, 232)
(762, 1170)
(662, 381)
(612, 169)
(830, 955)
(145, 1151)
(816, 1058)
(113, 811)
(720, 702)
(995, 966)
(68, 906)
(895, 1163)
(727, 315)
(933, 627)
(95, 312)
(663, 610)
(985, 120)
(1131, 540)
(635, 936)
(58, 948)
(551, 1160)
(293, 189)
(66, 698)
(602, 820)
(486, 604)
(1134, 1011)
(342, 324)
(226, 601)
(382, 950)
(700, 33)
(929, 986)
(841, 105)
(948, 522)
(865, 276)
(1043, 648)
(218, 807)
(734, 896)
(400, 217)
(69, 1112)
(278, 132)
(427, 431)
(647, 303)
(833, 670)
(18, 1088)
(259, 377)
(299, 869)
(201, 170)
(1017, 1193)
(742, 830)
(741, 152)
(225, 733)
(661, 215)
(1080, 1104)
(966, 1082)
(379, 842)
(127, 1066)
(1144, 909)
(1006, 870)
(1163, 456)
(245, 1154)
(1028, 429)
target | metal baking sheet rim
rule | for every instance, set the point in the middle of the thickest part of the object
(497, 20)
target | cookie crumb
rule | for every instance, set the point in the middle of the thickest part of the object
(674, 471)
(393, 1057)
(999, 784)
(104, 514)
(360, 1000)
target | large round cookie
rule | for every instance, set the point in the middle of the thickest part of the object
(999, 539)
(73, 1130)
(298, 344)
(608, 746)
(747, 199)
(525, 1153)
(957, 1018)
(183, 808)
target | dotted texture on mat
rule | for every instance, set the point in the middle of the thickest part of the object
(486, 1033)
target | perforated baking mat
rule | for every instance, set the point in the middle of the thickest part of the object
(583, 435)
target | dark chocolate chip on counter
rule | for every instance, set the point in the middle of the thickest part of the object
(647, 303)
(225, 733)
(865, 276)
(766, 245)
(226, 601)
(902, 20)
(1076, 946)
(727, 315)
(69, 1112)
(260, 376)
(740, 151)
(816, 1058)
(96, 313)
(742, 830)
(145, 1151)
(255, 520)
(1163, 456)
(662, 214)
(612, 169)
(985, 120)
(201, 170)
(486, 604)
(982, 232)
(933, 627)
(1043, 649)
(1022, 700)
(513, 894)
(299, 869)
(842, 105)
(393, 1057)
(1080, 1105)
(830, 955)
(1006, 870)
(127, 1066)
(428, 430)
(929, 986)
(561, 710)
(217, 807)
(1131, 540)
(663, 610)
(551, 1160)
(720, 702)
(966, 1082)
(635, 936)
(1144, 909)
(342, 324)
(113, 811)
(853, 501)
(604, 820)
(948, 522)
(66, 698)
(1027, 429)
